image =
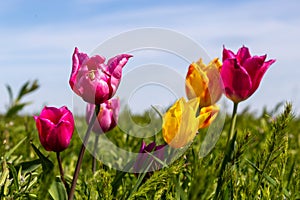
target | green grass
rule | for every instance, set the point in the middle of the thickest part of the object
(264, 165)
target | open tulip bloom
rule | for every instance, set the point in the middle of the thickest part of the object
(92, 79)
(181, 123)
(242, 73)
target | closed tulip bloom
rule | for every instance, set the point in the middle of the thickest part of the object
(92, 79)
(55, 127)
(107, 117)
(242, 73)
(203, 81)
(180, 123)
(144, 159)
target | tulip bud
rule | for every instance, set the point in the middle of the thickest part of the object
(145, 159)
(55, 127)
(107, 117)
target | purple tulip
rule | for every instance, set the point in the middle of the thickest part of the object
(107, 118)
(93, 80)
(55, 127)
(242, 73)
(144, 159)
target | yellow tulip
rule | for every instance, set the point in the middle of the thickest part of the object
(208, 115)
(181, 123)
(203, 82)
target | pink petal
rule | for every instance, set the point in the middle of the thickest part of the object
(62, 136)
(116, 64)
(77, 61)
(242, 55)
(227, 54)
(236, 80)
(51, 113)
(95, 62)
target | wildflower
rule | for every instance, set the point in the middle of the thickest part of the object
(93, 80)
(242, 73)
(55, 127)
(108, 115)
(203, 81)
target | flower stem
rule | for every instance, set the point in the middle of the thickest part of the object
(81, 153)
(62, 176)
(233, 122)
(94, 165)
(228, 151)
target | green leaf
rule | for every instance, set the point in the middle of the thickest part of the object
(120, 174)
(47, 165)
(12, 111)
(5, 173)
(29, 166)
(10, 95)
(8, 154)
(15, 175)
(57, 191)
(26, 89)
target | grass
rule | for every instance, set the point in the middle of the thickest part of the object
(264, 164)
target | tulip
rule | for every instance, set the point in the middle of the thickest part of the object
(181, 123)
(55, 127)
(242, 73)
(93, 80)
(203, 81)
(209, 113)
(107, 117)
(144, 159)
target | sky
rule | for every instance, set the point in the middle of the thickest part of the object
(39, 37)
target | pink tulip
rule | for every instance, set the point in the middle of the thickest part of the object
(55, 127)
(242, 73)
(93, 80)
(107, 118)
(143, 159)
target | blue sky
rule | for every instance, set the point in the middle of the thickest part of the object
(38, 39)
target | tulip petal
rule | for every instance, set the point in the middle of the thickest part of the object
(116, 64)
(51, 113)
(236, 80)
(242, 55)
(256, 67)
(77, 59)
(61, 136)
(227, 54)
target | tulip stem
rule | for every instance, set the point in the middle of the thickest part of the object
(233, 122)
(62, 176)
(228, 151)
(81, 153)
(94, 165)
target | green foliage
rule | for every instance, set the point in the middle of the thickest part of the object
(264, 164)
(15, 105)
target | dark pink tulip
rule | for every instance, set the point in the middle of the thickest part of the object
(107, 118)
(242, 73)
(55, 127)
(93, 80)
(144, 159)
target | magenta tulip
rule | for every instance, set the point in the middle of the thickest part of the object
(93, 80)
(144, 159)
(55, 127)
(242, 73)
(107, 118)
